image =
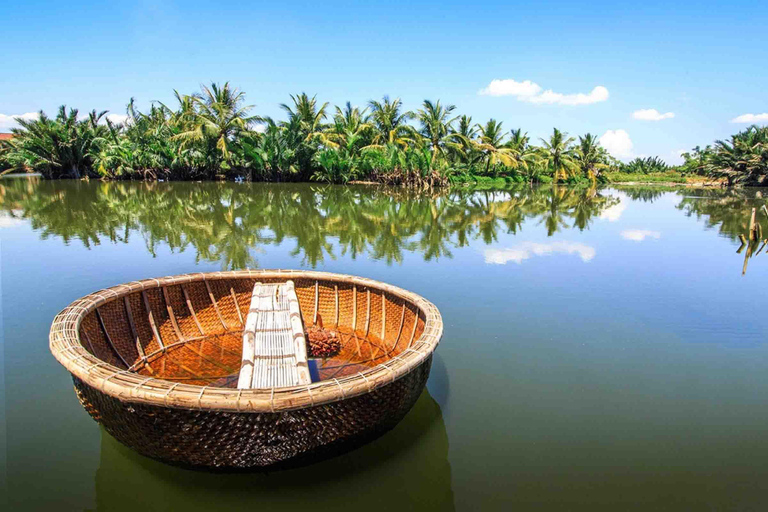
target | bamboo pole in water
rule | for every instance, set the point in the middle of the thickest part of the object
(747, 255)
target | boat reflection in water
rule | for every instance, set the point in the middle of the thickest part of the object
(407, 468)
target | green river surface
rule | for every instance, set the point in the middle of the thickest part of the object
(603, 349)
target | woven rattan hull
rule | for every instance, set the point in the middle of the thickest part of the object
(225, 440)
(145, 359)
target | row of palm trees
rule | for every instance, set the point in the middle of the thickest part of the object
(213, 133)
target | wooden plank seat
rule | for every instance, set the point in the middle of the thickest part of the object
(274, 347)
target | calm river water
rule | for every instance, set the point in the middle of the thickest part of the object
(603, 349)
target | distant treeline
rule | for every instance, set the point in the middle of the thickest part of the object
(213, 134)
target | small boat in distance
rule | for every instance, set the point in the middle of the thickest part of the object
(217, 370)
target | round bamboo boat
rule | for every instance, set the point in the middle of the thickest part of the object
(156, 362)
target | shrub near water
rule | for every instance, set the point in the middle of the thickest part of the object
(644, 165)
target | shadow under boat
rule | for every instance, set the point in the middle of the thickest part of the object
(406, 468)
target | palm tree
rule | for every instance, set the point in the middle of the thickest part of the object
(590, 156)
(743, 159)
(305, 121)
(351, 129)
(558, 154)
(436, 128)
(351, 119)
(466, 129)
(525, 155)
(273, 153)
(307, 112)
(184, 115)
(219, 116)
(391, 122)
(518, 139)
(696, 160)
(59, 147)
(491, 144)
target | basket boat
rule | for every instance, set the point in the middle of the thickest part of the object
(164, 364)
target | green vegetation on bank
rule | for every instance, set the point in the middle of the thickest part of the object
(669, 176)
(213, 134)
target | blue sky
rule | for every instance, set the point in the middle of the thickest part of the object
(704, 62)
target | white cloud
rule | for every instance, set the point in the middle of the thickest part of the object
(638, 235)
(114, 118)
(117, 118)
(651, 114)
(613, 213)
(511, 87)
(550, 97)
(9, 121)
(9, 222)
(526, 250)
(676, 156)
(617, 143)
(532, 92)
(260, 128)
(751, 118)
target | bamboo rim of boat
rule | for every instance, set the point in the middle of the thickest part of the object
(127, 386)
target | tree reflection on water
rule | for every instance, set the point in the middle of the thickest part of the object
(228, 222)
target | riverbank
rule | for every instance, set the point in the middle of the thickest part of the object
(688, 184)
(482, 182)
(663, 178)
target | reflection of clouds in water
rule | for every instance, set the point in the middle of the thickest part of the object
(638, 235)
(613, 213)
(526, 250)
(9, 222)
